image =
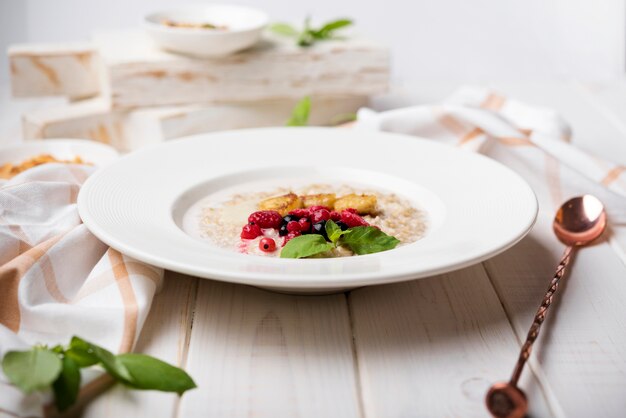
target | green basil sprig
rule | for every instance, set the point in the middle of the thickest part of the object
(360, 239)
(59, 367)
(300, 113)
(308, 35)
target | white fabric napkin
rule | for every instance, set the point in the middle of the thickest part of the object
(58, 280)
(532, 140)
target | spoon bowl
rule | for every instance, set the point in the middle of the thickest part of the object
(579, 221)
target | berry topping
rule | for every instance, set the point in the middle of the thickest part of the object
(293, 226)
(305, 225)
(318, 207)
(267, 244)
(319, 228)
(251, 231)
(352, 219)
(266, 219)
(282, 231)
(320, 215)
(299, 213)
(342, 225)
(335, 216)
(290, 236)
(351, 210)
(289, 218)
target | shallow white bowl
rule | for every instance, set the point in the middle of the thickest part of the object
(64, 149)
(244, 28)
(475, 206)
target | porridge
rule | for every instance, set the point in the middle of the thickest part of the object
(313, 221)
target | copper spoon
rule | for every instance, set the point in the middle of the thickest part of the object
(578, 222)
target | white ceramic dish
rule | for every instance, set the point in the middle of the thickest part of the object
(244, 28)
(65, 149)
(476, 207)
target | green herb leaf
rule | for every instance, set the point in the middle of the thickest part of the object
(300, 113)
(305, 246)
(326, 31)
(334, 232)
(109, 361)
(284, 29)
(67, 385)
(151, 373)
(368, 240)
(31, 370)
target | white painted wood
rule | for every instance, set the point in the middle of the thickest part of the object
(140, 74)
(165, 335)
(54, 70)
(129, 130)
(262, 354)
(432, 347)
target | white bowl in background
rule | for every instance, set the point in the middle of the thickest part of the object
(244, 28)
(89, 151)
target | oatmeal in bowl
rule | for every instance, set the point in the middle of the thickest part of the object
(317, 221)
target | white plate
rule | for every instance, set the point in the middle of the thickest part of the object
(63, 149)
(476, 207)
(244, 24)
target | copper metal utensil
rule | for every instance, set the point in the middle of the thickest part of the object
(578, 222)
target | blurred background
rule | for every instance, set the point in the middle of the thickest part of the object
(444, 40)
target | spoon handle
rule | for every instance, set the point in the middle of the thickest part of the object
(540, 316)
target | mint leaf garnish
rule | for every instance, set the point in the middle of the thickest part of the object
(67, 385)
(305, 246)
(368, 240)
(31, 370)
(108, 360)
(333, 231)
(59, 367)
(308, 35)
(300, 113)
(150, 373)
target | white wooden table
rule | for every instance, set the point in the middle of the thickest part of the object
(423, 348)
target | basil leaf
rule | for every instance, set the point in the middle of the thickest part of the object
(368, 240)
(305, 246)
(151, 373)
(284, 29)
(300, 113)
(326, 31)
(31, 370)
(333, 231)
(67, 385)
(109, 362)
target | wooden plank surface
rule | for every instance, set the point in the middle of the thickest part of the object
(432, 347)
(263, 354)
(165, 335)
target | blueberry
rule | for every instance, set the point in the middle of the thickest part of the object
(319, 228)
(289, 218)
(342, 225)
(282, 231)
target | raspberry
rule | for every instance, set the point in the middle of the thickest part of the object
(317, 207)
(290, 236)
(300, 213)
(266, 219)
(351, 210)
(352, 219)
(293, 226)
(335, 216)
(251, 231)
(305, 225)
(320, 215)
(267, 244)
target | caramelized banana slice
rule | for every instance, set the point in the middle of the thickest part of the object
(281, 204)
(364, 203)
(322, 199)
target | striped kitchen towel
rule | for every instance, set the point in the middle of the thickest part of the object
(534, 141)
(58, 280)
